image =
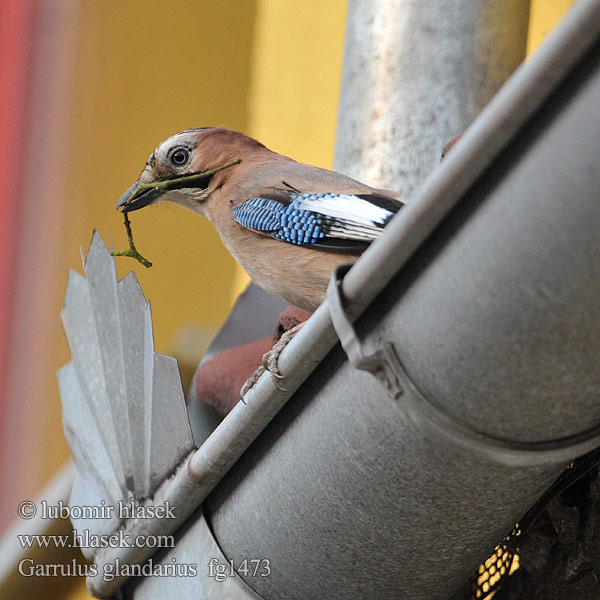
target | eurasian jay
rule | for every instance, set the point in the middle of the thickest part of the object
(288, 224)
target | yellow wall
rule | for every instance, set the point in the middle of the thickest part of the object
(143, 72)
(543, 16)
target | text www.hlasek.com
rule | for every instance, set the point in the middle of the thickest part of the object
(85, 539)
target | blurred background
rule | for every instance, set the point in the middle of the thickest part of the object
(88, 88)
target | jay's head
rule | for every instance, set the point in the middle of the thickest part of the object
(181, 169)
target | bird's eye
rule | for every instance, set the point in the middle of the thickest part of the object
(180, 156)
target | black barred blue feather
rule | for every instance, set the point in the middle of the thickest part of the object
(286, 223)
(331, 221)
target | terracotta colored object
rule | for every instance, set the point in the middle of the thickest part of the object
(220, 379)
(289, 318)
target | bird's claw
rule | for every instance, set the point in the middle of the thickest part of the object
(270, 363)
(250, 382)
(271, 358)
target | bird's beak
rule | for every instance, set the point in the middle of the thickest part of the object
(142, 194)
(138, 196)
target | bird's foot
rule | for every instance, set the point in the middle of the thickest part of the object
(271, 362)
(271, 358)
(250, 382)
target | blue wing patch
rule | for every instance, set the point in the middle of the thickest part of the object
(314, 219)
(286, 223)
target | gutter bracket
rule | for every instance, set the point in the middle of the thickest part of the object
(383, 363)
(438, 426)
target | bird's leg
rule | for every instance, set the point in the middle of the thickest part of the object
(271, 358)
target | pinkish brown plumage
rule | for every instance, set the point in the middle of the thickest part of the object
(292, 224)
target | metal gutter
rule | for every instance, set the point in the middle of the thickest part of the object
(505, 118)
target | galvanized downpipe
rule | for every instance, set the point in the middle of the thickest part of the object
(415, 75)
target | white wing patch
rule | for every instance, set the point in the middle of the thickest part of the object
(344, 207)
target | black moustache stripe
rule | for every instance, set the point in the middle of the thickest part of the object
(201, 182)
